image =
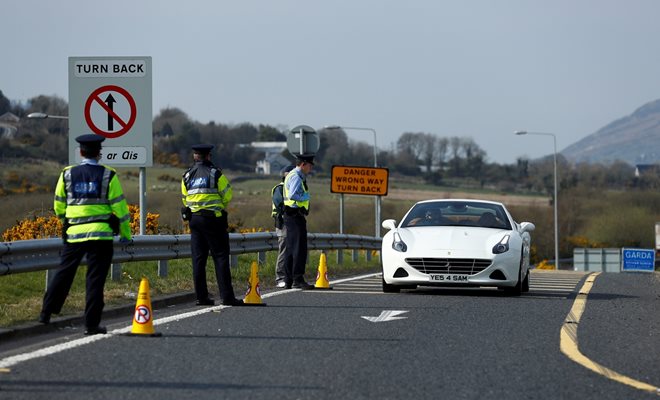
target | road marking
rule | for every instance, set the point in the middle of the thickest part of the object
(378, 292)
(558, 283)
(552, 288)
(542, 285)
(364, 283)
(569, 342)
(367, 284)
(387, 316)
(338, 281)
(11, 361)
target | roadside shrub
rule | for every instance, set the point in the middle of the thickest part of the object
(43, 227)
(34, 228)
(151, 226)
(544, 264)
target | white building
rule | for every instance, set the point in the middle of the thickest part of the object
(8, 125)
(273, 160)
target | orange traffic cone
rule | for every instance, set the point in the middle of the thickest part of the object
(253, 294)
(143, 317)
(322, 274)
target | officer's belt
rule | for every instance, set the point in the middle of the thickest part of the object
(92, 221)
(204, 213)
(293, 211)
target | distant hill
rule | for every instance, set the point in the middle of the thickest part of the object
(634, 139)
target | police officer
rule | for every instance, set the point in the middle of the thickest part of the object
(91, 204)
(206, 192)
(296, 208)
(283, 258)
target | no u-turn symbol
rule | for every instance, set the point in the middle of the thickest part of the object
(110, 111)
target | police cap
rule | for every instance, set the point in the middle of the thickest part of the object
(203, 148)
(90, 141)
(307, 159)
(286, 170)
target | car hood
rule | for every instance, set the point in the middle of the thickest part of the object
(451, 238)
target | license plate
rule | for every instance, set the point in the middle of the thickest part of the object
(453, 278)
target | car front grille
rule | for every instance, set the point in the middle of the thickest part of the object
(469, 266)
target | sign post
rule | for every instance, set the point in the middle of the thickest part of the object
(302, 141)
(357, 180)
(657, 240)
(112, 97)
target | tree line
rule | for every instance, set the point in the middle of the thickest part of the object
(437, 160)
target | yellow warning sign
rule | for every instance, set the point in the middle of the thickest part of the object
(359, 180)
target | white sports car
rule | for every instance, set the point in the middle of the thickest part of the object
(456, 242)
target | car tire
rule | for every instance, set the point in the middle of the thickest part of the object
(518, 289)
(525, 284)
(387, 288)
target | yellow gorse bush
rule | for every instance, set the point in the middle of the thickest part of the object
(41, 227)
(251, 230)
(151, 225)
(544, 264)
(34, 228)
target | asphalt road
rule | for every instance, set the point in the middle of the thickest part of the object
(440, 343)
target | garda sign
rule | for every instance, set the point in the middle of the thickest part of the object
(638, 260)
(359, 180)
(111, 97)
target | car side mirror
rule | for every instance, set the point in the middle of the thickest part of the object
(389, 224)
(527, 227)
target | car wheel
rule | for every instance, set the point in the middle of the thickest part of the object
(518, 289)
(387, 288)
(525, 284)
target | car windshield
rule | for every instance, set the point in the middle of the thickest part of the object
(457, 213)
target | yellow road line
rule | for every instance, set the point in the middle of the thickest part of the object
(569, 342)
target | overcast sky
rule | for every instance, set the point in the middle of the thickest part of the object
(473, 68)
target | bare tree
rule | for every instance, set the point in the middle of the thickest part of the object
(455, 151)
(412, 144)
(441, 146)
(429, 155)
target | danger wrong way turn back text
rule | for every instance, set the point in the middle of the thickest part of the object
(359, 180)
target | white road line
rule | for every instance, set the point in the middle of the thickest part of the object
(378, 286)
(345, 292)
(11, 361)
(553, 287)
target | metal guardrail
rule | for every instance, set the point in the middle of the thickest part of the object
(44, 254)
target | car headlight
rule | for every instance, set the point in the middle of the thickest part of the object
(398, 244)
(502, 246)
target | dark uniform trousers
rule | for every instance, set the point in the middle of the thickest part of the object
(296, 245)
(99, 257)
(209, 233)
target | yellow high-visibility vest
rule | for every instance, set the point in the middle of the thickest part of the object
(205, 187)
(287, 199)
(86, 196)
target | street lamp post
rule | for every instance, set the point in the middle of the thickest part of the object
(377, 198)
(555, 200)
(38, 115)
